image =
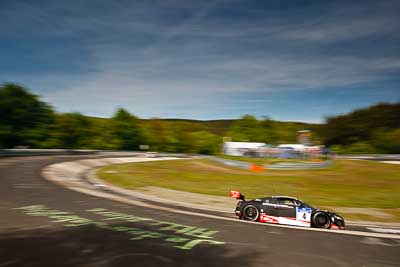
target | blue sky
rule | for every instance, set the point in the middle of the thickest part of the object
(289, 60)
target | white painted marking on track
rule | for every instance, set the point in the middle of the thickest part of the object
(384, 230)
(375, 241)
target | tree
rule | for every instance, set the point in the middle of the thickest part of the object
(101, 134)
(70, 130)
(246, 129)
(126, 130)
(360, 125)
(205, 142)
(387, 141)
(23, 117)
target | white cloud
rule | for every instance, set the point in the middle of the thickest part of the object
(149, 58)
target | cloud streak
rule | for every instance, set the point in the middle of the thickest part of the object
(157, 58)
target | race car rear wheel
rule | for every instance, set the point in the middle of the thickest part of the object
(321, 220)
(250, 213)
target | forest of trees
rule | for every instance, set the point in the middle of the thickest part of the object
(26, 121)
(375, 129)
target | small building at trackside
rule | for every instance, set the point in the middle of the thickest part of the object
(300, 148)
(240, 148)
(294, 147)
(304, 137)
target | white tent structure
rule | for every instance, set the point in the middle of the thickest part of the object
(239, 148)
(300, 148)
(295, 147)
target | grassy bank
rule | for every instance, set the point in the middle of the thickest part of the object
(348, 183)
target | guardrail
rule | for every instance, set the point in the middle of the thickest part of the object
(369, 156)
(55, 152)
(299, 165)
(277, 166)
(43, 152)
(234, 163)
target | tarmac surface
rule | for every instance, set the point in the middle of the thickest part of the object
(44, 224)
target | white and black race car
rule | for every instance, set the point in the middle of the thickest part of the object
(285, 210)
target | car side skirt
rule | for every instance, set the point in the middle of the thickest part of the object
(283, 220)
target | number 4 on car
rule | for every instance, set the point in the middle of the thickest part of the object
(285, 210)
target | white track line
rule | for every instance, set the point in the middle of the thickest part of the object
(384, 230)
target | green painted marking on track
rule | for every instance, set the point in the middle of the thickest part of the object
(168, 226)
(202, 235)
(191, 244)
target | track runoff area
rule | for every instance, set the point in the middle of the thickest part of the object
(356, 229)
(45, 224)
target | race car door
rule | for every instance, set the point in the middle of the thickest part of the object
(270, 207)
(286, 208)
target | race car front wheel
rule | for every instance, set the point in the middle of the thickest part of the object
(321, 220)
(250, 213)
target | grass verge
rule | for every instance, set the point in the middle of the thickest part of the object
(348, 183)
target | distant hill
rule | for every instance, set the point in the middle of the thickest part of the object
(221, 127)
(218, 127)
(374, 129)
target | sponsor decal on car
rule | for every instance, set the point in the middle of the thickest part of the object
(268, 219)
(303, 214)
(283, 220)
(234, 194)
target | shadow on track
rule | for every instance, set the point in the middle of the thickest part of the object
(92, 246)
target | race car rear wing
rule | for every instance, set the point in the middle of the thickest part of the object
(236, 194)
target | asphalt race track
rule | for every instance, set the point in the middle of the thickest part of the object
(44, 224)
